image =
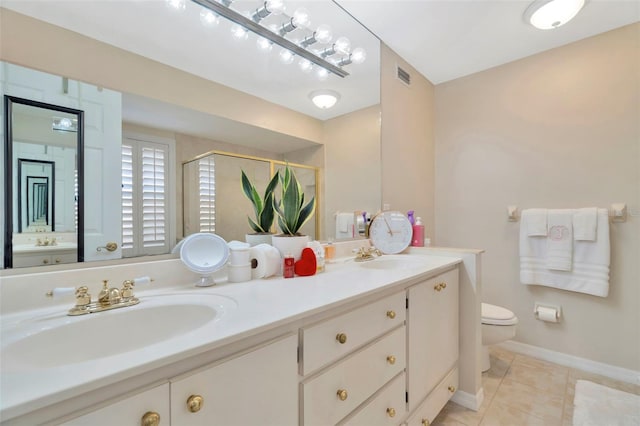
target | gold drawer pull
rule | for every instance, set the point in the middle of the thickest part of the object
(342, 338)
(391, 314)
(452, 389)
(425, 422)
(150, 418)
(45, 261)
(194, 403)
(391, 359)
(391, 412)
(342, 394)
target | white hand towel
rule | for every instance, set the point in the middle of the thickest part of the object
(535, 222)
(559, 239)
(584, 224)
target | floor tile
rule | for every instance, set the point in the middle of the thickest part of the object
(529, 399)
(504, 415)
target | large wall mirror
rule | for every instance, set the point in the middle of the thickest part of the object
(248, 114)
(43, 183)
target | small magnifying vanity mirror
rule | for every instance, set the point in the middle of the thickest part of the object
(204, 253)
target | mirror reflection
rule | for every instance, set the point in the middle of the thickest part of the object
(213, 198)
(41, 159)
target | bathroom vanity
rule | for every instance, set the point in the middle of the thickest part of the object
(372, 343)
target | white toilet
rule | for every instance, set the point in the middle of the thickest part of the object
(498, 325)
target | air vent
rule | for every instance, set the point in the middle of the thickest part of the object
(403, 76)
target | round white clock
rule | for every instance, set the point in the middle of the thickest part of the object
(390, 232)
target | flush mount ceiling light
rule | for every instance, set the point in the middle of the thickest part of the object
(550, 14)
(64, 124)
(292, 32)
(324, 99)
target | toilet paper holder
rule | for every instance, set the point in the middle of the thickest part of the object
(548, 313)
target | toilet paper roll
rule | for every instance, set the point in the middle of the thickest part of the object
(265, 261)
(544, 313)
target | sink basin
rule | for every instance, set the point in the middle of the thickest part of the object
(55, 340)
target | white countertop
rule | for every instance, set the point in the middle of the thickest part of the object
(262, 305)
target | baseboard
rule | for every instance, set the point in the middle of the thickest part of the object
(607, 370)
(468, 400)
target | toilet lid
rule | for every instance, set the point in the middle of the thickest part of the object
(497, 315)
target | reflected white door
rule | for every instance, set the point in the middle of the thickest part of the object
(102, 175)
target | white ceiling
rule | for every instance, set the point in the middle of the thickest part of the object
(442, 39)
(448, 39)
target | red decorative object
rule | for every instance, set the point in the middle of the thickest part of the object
(307, 264)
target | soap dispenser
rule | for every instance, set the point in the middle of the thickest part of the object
(418, 233)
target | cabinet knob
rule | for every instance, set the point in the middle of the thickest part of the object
(391, 314)
(391, 412)
(194, 403)
(45, 261)
(150, 418)
(342, 394)
(391, 359)
(342, 338)
(440, 286)
(452, 389)
(425, 422)
(57, 260)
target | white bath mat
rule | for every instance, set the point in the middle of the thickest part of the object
(597, 405)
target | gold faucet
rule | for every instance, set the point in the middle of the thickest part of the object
(364, 254)
(108, 298)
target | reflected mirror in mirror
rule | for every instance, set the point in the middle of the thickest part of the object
(36, 196)
(43, 146)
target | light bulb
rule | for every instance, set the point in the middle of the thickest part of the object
(264, 44)
(208, 18)
(239, 32)
(323, 34)
(286, 56)
(301, 18)
(276, 7)
(342, 45)
(176, 4)
(358, 55)
(305, 65)
(322, 74)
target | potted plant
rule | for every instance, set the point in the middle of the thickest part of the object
(263, 208)
(292, 214)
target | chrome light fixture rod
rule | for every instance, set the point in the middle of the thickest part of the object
(252, 26)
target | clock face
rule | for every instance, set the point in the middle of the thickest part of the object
(390, 232)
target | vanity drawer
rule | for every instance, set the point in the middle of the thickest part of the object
(330, 340)
(385, 409)
(332, 395)
(437, 399)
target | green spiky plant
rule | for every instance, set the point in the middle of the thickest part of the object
(291, 210)
(263, 208)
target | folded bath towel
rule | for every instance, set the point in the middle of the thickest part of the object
(584, 224)
(591, 259)
(535, 222)
(559, 239)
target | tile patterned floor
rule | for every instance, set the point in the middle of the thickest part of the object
(520, 391)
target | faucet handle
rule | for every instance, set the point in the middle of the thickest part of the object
(127, 286)
(60, 291)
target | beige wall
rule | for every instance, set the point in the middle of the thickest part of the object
(352, 164)
(408, 140)
(554, 130)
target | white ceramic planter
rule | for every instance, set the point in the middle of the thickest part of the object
(290, 244)
(255, 239)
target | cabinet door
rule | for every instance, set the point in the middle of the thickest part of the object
(432, 323)
(257, 388)
(129, 411)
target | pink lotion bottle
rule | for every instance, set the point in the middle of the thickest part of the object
(418, 233)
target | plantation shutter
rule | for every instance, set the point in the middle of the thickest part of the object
(144, 198)
(207, 192)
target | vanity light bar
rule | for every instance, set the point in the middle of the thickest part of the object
(254, 27)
